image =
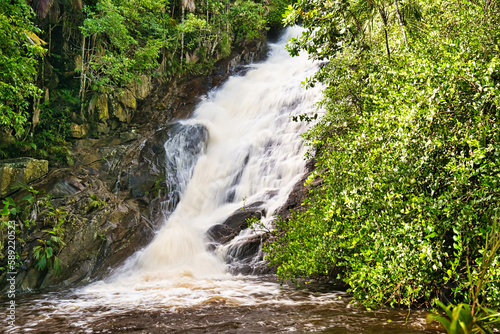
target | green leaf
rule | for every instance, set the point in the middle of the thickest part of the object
(42, 263)
(48, 252)
(57, 266)
(10, 201)
(29, 198)
(5, 211)
(36, 252)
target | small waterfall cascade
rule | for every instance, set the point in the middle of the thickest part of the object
(183, 148)
(241, 149)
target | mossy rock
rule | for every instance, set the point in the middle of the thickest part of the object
(20, 171)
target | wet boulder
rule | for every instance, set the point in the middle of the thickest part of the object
(234, 224)
(221, 233)
(244, 251)
(246, 257)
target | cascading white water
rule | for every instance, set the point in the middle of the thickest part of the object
(253, 153)
(182, 149)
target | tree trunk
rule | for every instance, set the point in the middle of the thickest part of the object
(182, 38)
(385, 21)
(400, 19)
(82, 77)
(387, 44)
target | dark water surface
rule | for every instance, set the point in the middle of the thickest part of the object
(289, 310)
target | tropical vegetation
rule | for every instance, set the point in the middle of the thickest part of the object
(58, 56)
(403, 202)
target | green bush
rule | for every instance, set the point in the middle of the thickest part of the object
(248, 20)
(409, 156)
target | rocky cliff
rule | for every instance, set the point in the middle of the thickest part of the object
(109, 203)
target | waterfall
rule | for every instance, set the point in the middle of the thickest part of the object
(246, 150)
(183, 147)
(253, 154)
(241, 149)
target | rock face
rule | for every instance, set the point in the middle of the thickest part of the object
(158, 166)
(99, 230)
(113, 208)
(20, 171)
(79, 130)
(112, 200)
(144, 88)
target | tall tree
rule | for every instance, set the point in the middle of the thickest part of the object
(19, 49)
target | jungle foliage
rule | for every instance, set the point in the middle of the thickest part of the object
(407, 192)
(58, 54)
(20, 48)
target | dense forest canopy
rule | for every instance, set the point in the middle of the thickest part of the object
(59, 56)
(20, 47)
(405, 207)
